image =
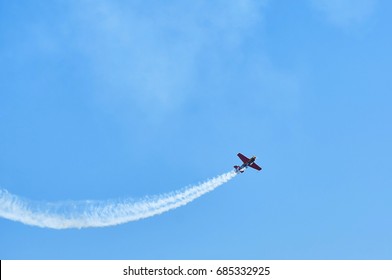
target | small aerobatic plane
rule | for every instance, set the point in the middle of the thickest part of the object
(246, 163)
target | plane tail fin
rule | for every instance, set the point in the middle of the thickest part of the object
(237, 168)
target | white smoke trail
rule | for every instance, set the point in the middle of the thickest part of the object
(82, 214)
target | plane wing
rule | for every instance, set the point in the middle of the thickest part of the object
(255, 166)
(243, 158)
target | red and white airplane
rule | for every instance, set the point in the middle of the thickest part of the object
(246, 163)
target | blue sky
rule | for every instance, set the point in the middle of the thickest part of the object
(112, 99)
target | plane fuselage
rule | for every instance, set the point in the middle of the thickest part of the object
(246, 164)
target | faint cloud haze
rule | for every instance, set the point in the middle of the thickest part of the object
(151, 56)
(345, 13)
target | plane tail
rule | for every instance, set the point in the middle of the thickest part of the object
(237, 169)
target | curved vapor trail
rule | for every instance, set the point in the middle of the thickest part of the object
(83, 214)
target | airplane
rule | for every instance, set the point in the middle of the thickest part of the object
(246, 163)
